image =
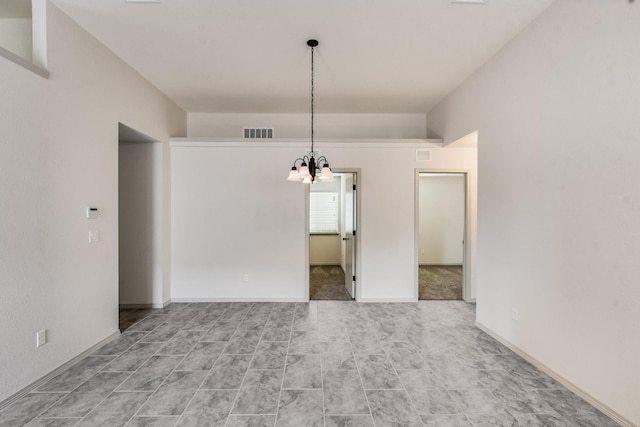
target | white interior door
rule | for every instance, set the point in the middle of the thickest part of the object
(348, 234)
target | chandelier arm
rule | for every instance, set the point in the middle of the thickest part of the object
(302, 159)
(322, 160)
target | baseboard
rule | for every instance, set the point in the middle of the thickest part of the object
(34, 385)
(239, 300)
(367, 300)
(328, 264)
(152, 305)
(455, 264)
(556, 376)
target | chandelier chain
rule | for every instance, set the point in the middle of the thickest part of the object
(312, 87)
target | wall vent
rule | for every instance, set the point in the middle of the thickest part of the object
(423, 155)
(257, 133)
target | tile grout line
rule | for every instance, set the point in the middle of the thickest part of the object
(355, 359)
(284, 369)
(204, 377)
(165, 378)
(235, 400)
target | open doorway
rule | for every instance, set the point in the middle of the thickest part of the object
(332, 225)
(139, 224)
(441, 235)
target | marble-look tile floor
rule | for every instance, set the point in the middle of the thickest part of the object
(324, 364)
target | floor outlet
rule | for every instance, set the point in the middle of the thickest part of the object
(41, 338)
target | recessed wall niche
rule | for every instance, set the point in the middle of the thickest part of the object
(23, 33)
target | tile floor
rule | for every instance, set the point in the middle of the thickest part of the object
(295, 364)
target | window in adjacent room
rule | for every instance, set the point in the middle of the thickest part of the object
(323, 213)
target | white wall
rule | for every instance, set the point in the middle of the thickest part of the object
(229, 126)
(557, 117)
(140, 226)
(58, 155)
(227, 224)
(16, 37)
(442, 215)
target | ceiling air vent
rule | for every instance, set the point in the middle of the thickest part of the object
(257, 133)
(423, 155)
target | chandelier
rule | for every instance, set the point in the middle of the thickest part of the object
(309, 164)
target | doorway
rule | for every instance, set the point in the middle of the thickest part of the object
(331, 233)
(441, 235)
(139, 221)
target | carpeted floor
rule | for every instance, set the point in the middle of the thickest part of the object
(326, 282)
(440, 282)
(129, 316)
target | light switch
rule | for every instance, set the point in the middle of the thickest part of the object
(94, 236)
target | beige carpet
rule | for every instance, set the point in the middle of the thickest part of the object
(440, 282)
(326, 282)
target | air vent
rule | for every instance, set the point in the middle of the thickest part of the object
(257, 133)
(423, 155)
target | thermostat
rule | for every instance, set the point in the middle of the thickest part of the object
(92, 213)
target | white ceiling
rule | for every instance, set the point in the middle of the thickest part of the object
(250, 56)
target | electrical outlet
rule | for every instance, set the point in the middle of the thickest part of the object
(41, 338)
(246, 277)
(514, 313)
(421, 251)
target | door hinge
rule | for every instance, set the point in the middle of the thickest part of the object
(354, 187)
(354, 278)
(354, 232)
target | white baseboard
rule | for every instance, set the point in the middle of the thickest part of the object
(337, 264)
(366, 300)
(34, 385)
(454, 264)
(239, 300)
(152, 305)
(556, 376)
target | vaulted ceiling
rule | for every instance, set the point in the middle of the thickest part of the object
(235, 56)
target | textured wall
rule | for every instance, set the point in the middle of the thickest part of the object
(58, 155)
(556, 113)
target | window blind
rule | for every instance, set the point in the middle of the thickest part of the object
(323, 213)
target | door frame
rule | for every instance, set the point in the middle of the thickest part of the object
(466, 253)
(358, 179)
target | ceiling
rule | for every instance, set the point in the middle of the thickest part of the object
(250, 56)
